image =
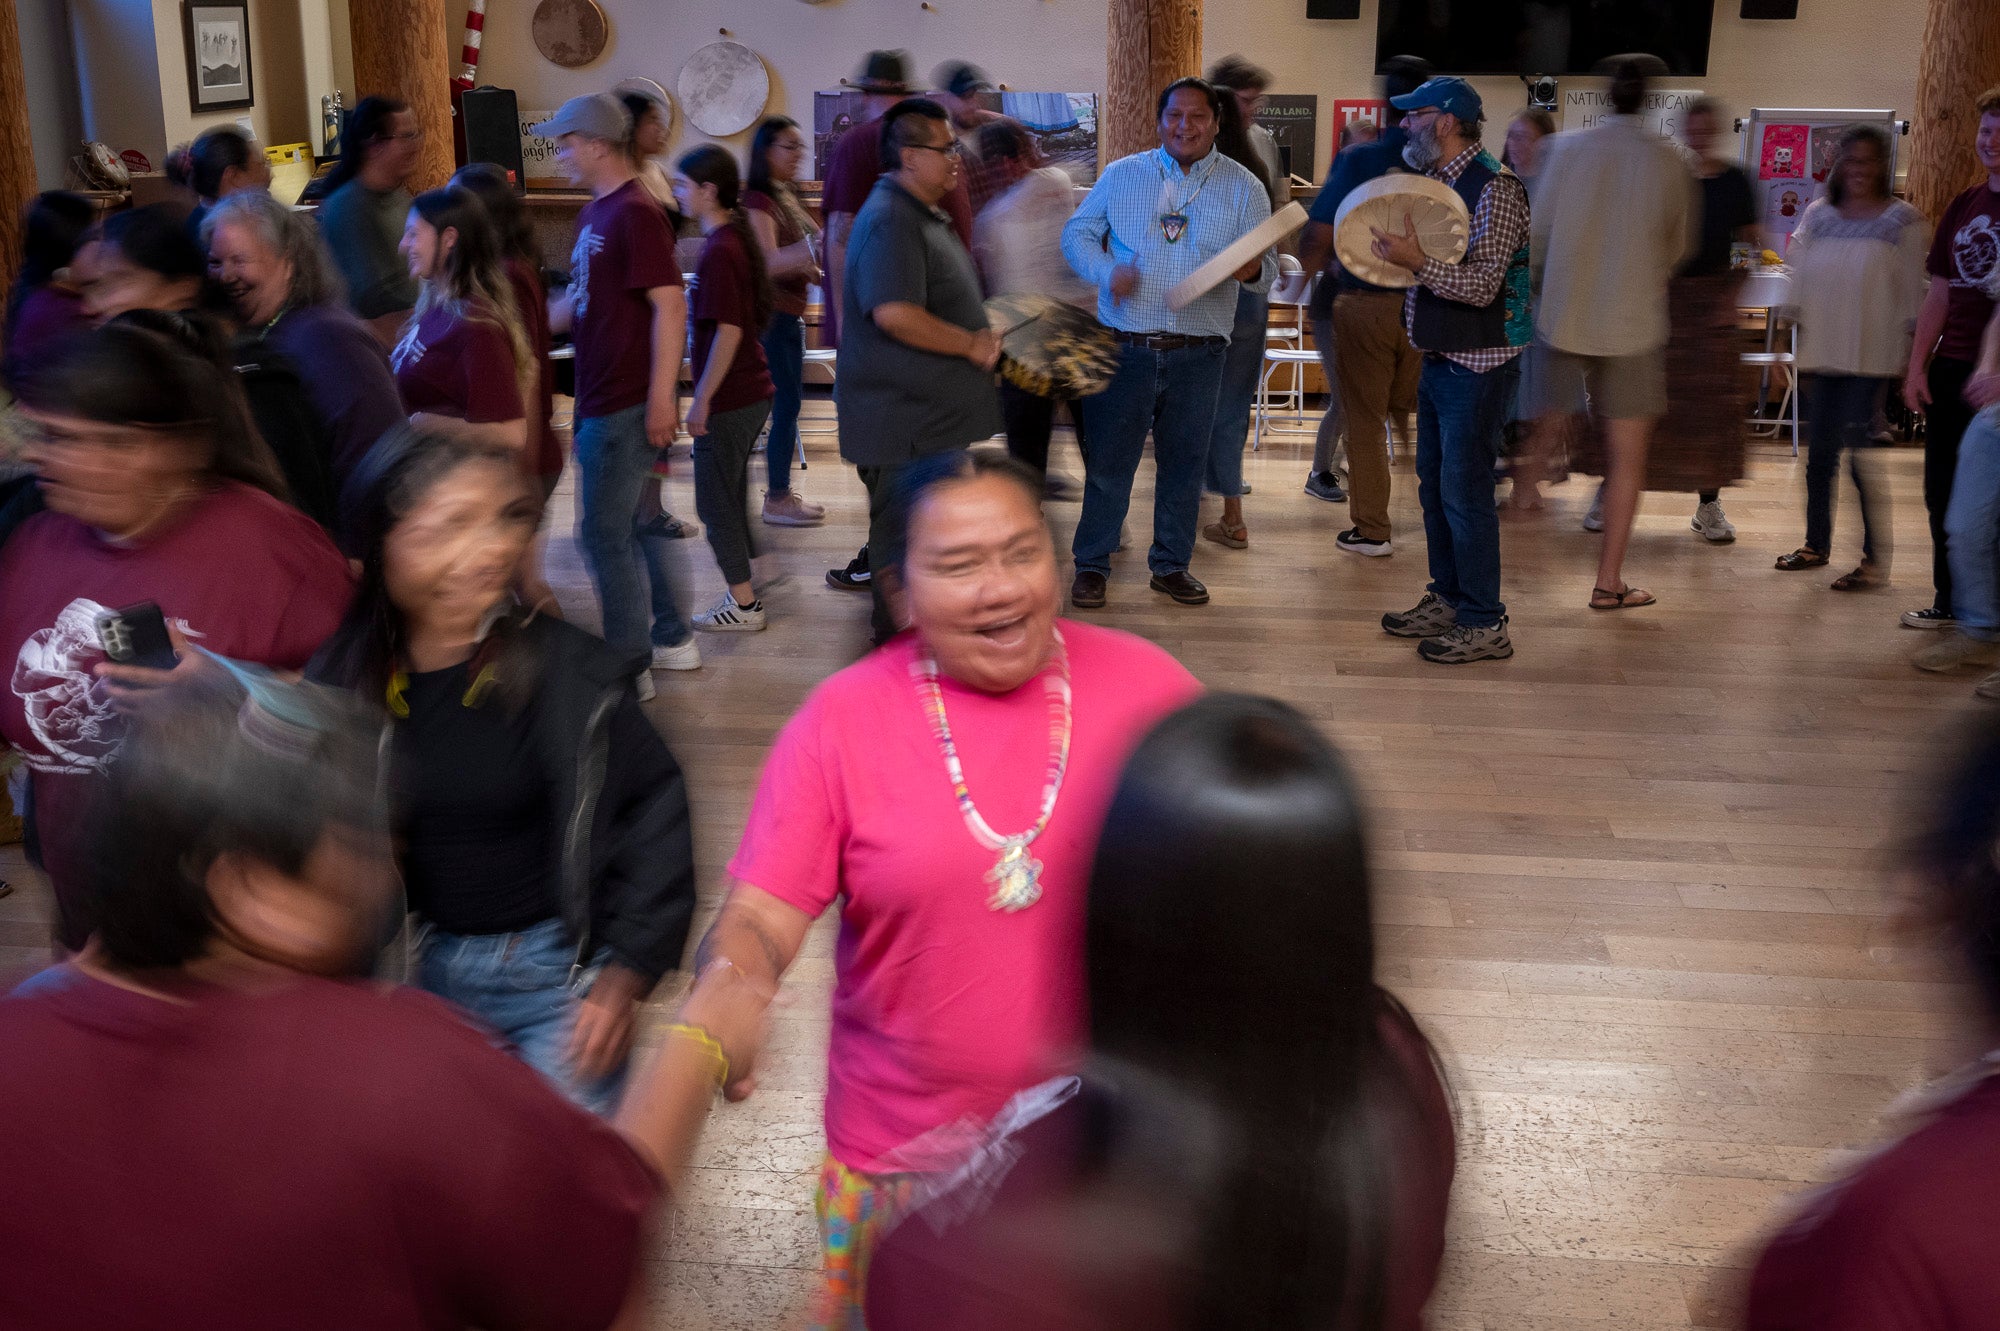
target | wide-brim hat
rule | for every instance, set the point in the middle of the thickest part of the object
(883, 72)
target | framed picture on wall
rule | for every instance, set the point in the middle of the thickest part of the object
(218, 55)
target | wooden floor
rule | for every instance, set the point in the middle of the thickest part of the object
(1632, 881)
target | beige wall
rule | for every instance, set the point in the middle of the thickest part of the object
(1849, 53)
(277, 70)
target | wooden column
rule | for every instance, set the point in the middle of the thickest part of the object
(1151, 43)
(1959, 60)
(401, 49)
(17, 149)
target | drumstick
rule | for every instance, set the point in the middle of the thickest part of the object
(1235, 255)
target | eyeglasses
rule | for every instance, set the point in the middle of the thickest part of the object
(952, 149)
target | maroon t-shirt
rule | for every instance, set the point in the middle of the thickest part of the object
(788, 294)
(624, 248)
(532, 299)
(1965, 252)
(240, 573)
(458, 365)
(1906, 1244)
(1015, 1261)
(725, 293)
(318, 1155)
(48, 317)
(857, 164)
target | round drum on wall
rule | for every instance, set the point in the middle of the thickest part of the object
(570, 33)
(724, 86)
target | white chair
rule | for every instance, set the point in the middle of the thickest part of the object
(1283, 411)
(1770, 291)
(824, 357)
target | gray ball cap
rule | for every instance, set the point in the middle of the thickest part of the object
(597, 116)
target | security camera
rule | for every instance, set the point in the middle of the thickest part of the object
(1541, 91)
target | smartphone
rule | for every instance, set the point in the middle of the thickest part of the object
(137, 635)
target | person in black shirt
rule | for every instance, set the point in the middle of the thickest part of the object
(543, 825)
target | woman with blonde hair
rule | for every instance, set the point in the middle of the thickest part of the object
(463, 364)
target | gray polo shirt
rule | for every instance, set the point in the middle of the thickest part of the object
(362, 228)
(895, 402)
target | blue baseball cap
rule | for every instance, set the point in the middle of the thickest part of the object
(1451, 95)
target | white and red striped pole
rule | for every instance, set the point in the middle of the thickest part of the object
(475, 27)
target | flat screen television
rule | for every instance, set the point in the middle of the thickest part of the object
(1544, 36)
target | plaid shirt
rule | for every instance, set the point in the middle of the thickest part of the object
(1499, 230)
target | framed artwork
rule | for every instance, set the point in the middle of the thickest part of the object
(218, 55)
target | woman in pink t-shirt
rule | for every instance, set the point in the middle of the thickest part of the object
(947, 791)
(463, 363)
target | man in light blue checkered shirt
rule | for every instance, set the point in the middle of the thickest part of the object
(1151, 220)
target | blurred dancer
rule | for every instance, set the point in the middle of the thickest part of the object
(1219, 1163)
(1857, 262)
(627, 313)
(44, 307)
(367, 201)
(220, 162)
(1972, 524)
(1528, 463)
(1150, 220)
(1017, 239)
(226, 1135)
(651, 126)
(849, 174)
(542, 825)
(732, 382)
(142, 259)
(1470, 320)
(955, 973)
(1955, 312)
(1601, 297)
(791, 243)
(916, 354)
(1896, 1245)
(157, 490)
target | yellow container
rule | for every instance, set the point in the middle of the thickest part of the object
(291, 169)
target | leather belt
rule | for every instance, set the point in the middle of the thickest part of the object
(1165, 341)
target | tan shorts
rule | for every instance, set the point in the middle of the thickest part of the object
(1618, 388)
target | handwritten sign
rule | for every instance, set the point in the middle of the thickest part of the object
(1662, 109)
(538, 156)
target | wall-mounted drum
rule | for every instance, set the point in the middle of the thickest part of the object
(570, 33)
(723, 87)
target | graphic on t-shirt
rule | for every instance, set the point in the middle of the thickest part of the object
(588, 243)
(1975, 252)
(409, 350)
(65, 708)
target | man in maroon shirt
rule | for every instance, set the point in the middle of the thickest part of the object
(850, 170)
(627, 313)
(1965, 253)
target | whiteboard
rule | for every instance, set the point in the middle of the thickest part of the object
(1786, 154)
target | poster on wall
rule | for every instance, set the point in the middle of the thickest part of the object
(1293, 120)
(1782, 155)
(217, 40)
(1790, 151)
(1662, 109)
(1367, 110)
(1063, 123)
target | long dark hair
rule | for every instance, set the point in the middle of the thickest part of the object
(162, 371)
(365, 652)
(367, 125)
(472, 281)
(55, 226)
(713, 165)
(503, 207)
(1232, 136)
(1234, 850)
(758, 177)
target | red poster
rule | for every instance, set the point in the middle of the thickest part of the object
(1783, 155)
(1371, 109)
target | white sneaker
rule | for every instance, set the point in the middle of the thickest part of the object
(685, 656)
(725, 616)
(1594, 520)
(643, 682)
(1711, 524)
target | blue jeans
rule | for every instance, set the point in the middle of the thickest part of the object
(614, 463)
(519, 985)
(1972, 529)
(1172, 394)
(1842, 408)
(1459, 418)
(1238, 392)
(785, 349)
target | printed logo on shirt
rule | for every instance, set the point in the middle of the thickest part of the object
(1975, 252)
(588, 243)
(409, 350)
(66, 708)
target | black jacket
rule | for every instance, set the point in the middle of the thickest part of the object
(622, 857)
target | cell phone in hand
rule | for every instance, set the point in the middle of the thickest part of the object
(137, 635)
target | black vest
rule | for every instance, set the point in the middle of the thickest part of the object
(1441, 324)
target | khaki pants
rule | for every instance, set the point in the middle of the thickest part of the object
(1377, 369)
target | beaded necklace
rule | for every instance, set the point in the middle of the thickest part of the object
(1015, 875)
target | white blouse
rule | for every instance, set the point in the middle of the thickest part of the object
(1857, 284)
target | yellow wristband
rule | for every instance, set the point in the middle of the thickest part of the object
(711, 1045)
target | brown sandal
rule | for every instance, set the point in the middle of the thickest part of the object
(1860, 580)
(1629, 598)
(1236, 538)
(1801, 558)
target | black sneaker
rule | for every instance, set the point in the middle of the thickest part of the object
(1930, 617)
(1184, 587)
(1355, 543)
(855, 577)
(1087, 592)
(667, 525)
(1326, 485)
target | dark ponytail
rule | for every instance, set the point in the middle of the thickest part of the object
(711, 165)
(367, 125)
